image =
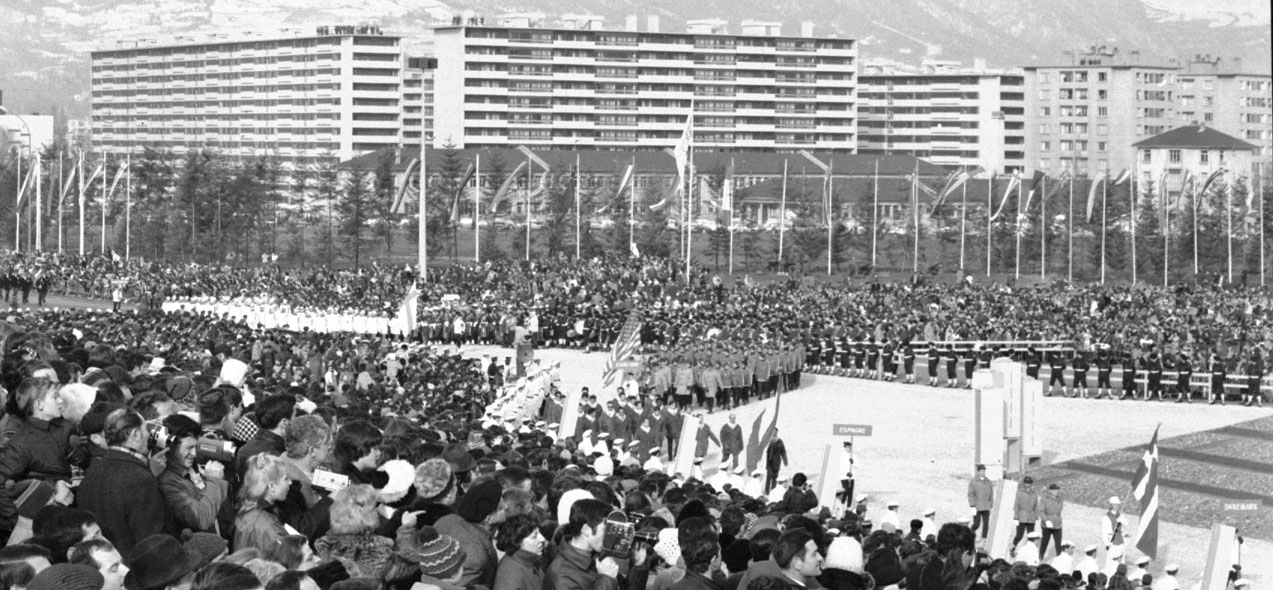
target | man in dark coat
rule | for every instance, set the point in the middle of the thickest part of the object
(120, 489)
(731, 441)
(775, 459)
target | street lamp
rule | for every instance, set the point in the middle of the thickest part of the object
(17, 215)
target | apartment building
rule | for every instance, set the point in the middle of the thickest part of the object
(417, 98)
(1084, 116)
(943, 113)
(336, 92)
(1228, 96)
(576, 84)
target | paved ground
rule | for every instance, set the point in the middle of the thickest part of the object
(921, 453)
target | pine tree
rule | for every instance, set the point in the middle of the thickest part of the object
(355, 207)
(1149, 235)
(327, 187)
(653, 237)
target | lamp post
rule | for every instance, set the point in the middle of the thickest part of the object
(17, 215)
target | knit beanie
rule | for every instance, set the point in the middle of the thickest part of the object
(32, 495)
(669, 546)
(440, 556)
(844, 553)
(65, 576)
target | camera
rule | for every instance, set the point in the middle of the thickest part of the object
(622, 536)
(214, 449)
(158, 437)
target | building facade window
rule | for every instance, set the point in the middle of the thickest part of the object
(1173, 156)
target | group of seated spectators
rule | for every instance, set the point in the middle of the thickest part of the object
(125, 470)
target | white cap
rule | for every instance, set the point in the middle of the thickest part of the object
(861, 498)
(930, 511)
(1115, 500)
(1144, 560)
(1172, 568)
(1242, 583)
(892, 504)
(1089, 549)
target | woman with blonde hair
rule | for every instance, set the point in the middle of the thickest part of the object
(265, 483)
(354, 518)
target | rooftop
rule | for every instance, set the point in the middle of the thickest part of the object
(1197, 137)
(598, 161)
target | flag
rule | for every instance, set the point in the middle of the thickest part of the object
(70, 181)
(459, 191)
(624, 347)
(1013, 181)
(1122, 177)
(953, 182)
(1210, 179)
(1145, 490)
(623, 182)
(659, 205)
(727, 189)
(407, 311)
(119, 175)
(772, 430)
(26, 185)
(754, 450)
(399, 206)
(506, 186)
(681, 151)
(1091, 194)
(1037, 184)
(1057, 184)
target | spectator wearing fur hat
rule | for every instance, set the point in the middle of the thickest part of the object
(354, 520)
(470, 527)
(120, 489)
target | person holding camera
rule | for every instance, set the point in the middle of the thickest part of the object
(120, 489)
(578, 564)
(194, 494)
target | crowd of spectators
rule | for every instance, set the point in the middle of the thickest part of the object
(149, 450)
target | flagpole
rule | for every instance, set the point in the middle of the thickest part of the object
(1194, 197)
(963, 218)
(689, 210)
(128, 208)
(81, 204)
(529, 180)
(782, 217)
(61, 194)
(1043, 232)
(422, 213)
(990, 186)
(1132, 195)
(578, 215)
(1019, 212)
(875, 206)
(1069, 250)
(477, 208)
(631, 208)
(731, 216)
(39, 196)
(915, 216)
(1104, 222)
(1166, 232)
(105, 196)
(1228, 199)
(17, 209)
(829, 201)
(1259, 176)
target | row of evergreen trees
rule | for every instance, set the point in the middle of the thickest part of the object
(206, 207)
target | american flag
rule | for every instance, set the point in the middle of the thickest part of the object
(1145, 490)
(624, 347)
